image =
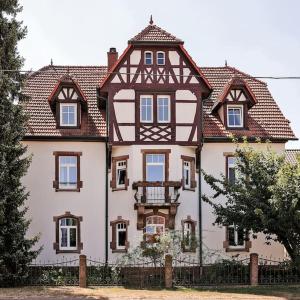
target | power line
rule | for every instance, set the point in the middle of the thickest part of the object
(235, 72)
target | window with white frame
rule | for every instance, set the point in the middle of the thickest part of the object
(121, 232)
(121, 170)
(235, 116)
(68, 172)
(146, 109)
(160, 58)
(231, 171)
(68, 114)
(163, 109)
(187, 174)
(68, 232)
(155, 226)
(235, 236)
(148, 58)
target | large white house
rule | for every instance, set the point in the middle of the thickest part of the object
(117, 149)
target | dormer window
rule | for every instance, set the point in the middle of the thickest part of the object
(235, 116)
(160, 58)
(68, 103)
(148, 58)
(233, 104)
(68, 114)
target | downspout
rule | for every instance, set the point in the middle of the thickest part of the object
(200, 187)
(106, 176)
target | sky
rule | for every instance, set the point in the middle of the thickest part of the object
(259, 37)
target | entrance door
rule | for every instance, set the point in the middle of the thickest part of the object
(155, 171)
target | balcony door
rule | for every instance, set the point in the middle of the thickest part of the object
(155, 172)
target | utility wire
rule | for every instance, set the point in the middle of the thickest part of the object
(235, 72)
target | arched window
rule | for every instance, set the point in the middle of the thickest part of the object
(160, 58)
(155, 226)
(148, 58)
(67, 233)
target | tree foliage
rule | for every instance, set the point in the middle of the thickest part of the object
(15, 248)
(265, 197)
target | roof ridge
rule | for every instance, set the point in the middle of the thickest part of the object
(146, 36)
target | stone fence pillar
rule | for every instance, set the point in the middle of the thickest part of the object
(82, 271)
(253, 269)
(168, 271)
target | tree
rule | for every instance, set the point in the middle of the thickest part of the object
(15, 248)
(265, 197)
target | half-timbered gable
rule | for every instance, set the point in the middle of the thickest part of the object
(159, 87)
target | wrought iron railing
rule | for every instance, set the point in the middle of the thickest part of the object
(140, 274)
(278, 272)
(158, 192)
(188, 272)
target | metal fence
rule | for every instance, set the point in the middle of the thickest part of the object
(271, 272)
(38, 273)
(141, 274)
(188, 272)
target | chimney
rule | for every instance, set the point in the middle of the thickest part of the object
(112, 57)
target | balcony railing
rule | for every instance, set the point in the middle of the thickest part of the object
(158, 192)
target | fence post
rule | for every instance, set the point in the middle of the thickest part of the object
(82, 271)
(168, 271)
(253, 269)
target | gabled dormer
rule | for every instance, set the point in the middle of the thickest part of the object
(233, 104)
(67, 102)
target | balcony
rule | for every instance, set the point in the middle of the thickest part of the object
(156, 195)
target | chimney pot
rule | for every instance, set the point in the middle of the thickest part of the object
(112, 57)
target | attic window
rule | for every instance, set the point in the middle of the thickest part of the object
(235, 116)
(148, 58)
(68, 114)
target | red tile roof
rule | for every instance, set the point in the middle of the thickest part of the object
(291, 155)
(41, 84)
(153, 33)
(265, 119)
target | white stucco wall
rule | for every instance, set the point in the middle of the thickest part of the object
(213, 162)
(44, 203)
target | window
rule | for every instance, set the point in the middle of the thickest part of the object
(67, 171)
(234, 116)
(121, 236)
(231, 169)
(188, 173)
(68, 114)
(155, 226)
(189, 239)
(146, 104)
(148, 58)
(155, 167)
(67, 233)
(160, 58)
(119, 241)
(119, 173)
(163, 109)
(236, 237)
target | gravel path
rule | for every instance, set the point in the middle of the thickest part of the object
(75, 293)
